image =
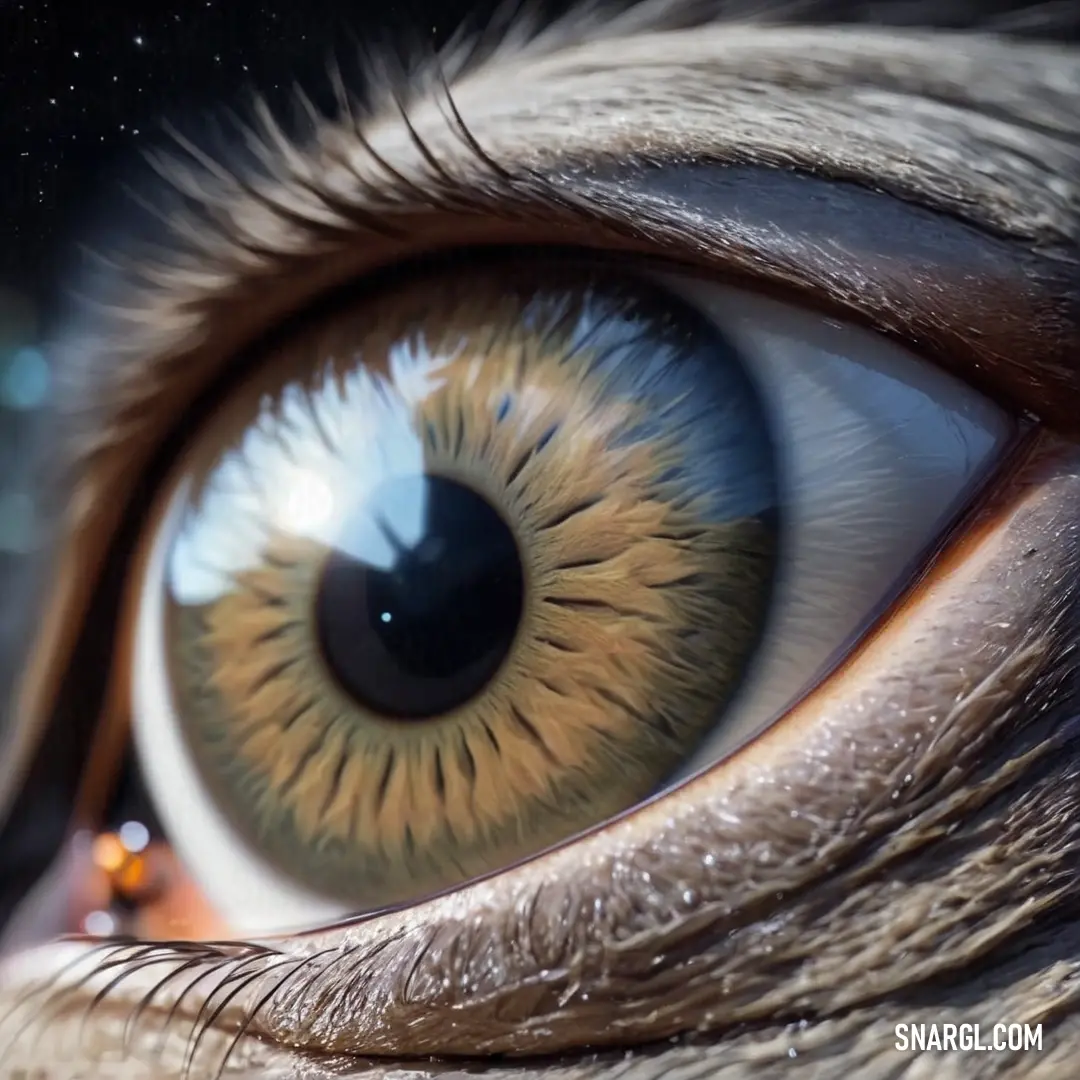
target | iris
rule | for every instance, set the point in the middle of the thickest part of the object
(469, 567)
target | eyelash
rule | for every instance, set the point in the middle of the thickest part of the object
(122, 960)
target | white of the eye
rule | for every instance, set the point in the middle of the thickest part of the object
(878, 448)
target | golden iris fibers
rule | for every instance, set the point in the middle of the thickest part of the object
(467, 568)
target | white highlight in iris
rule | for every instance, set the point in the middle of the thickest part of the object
(305, 505)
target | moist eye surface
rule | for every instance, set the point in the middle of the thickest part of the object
(467, 568)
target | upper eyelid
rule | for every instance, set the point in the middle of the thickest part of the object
(542, 151)
(352, 184)
(358, 195)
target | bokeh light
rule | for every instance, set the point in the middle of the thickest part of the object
(25, 384)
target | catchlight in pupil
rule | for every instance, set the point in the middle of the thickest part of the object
(467, 567)
(422, 631)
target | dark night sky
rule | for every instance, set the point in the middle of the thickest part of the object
(82, 84)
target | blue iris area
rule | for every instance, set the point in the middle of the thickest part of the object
(693, 391)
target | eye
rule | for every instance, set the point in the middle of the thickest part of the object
(779, 324)
(493, 551)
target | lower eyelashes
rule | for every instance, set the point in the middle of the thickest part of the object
(455, 597)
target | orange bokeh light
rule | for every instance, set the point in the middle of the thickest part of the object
(165, 903)
(109, 853)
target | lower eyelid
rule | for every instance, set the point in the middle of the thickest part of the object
(520, 962)
(816, 781)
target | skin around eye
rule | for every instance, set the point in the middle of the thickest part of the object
(482, 571)
(481, 561)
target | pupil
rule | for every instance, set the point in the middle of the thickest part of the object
(419, 605)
